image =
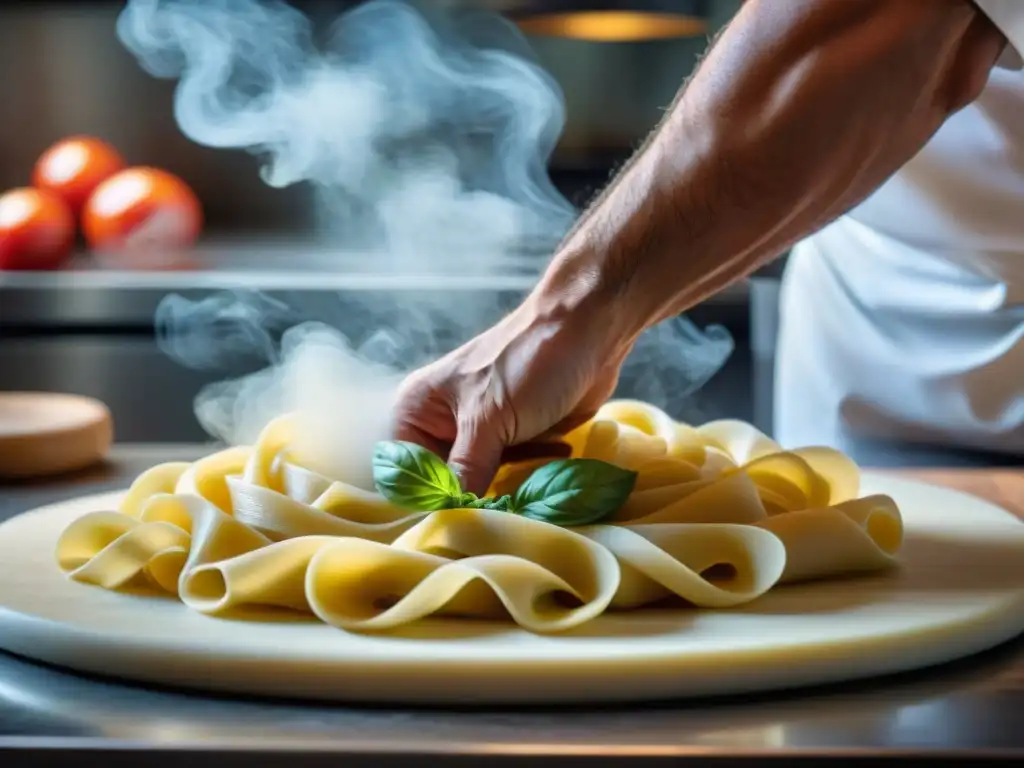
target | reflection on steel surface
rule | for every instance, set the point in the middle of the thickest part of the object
(900, 713)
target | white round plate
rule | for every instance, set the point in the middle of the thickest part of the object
(960, 591)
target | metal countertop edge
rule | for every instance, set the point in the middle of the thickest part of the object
(383, 748)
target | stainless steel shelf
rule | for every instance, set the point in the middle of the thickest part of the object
(286, 269)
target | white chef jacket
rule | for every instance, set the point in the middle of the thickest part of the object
(904, 320)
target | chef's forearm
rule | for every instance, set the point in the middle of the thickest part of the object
(801, 109)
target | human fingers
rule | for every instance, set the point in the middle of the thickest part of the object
(476, 456)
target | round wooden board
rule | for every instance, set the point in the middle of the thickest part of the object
(960, 591)
(46, 433)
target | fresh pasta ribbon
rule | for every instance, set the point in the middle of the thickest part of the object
(271, 576)
(663, 471)
(264, 464)
(856, 536)
(207, 478)
(708, 566)
(175, 532)
(527, 564)
(163, 478)
(341, 510)
(729, 499)
(740, 441)
(719, 515)
(363, 586)
(681, 441)
(111, 550)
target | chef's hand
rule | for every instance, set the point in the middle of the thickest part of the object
(533, 376)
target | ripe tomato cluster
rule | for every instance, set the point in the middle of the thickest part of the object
(83, 181)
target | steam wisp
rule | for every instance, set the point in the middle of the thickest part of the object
(427, 142)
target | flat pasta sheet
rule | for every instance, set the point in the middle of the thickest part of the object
(719, 515)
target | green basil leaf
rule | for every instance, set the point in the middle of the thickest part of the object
(411, 477)
(574, 492)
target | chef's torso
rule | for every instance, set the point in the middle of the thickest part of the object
(904, 320)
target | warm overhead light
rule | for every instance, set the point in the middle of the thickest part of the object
(612, 26)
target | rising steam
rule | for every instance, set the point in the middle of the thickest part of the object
(428, 143)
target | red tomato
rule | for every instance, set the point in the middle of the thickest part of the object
(142, 208)
(74, 167)
(37, 230)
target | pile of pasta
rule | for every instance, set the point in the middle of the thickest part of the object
(720, 515)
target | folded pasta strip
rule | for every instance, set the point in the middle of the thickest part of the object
(348, 512)
(110, 550)
(733, 498)
(856, 536)
(660, 561)
(363, 586)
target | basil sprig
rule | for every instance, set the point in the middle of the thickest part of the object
(567, 492)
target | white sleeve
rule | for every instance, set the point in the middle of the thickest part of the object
(1008, 15)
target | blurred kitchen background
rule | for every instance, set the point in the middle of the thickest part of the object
(90, 330)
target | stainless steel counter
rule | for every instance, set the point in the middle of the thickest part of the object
(48, 717)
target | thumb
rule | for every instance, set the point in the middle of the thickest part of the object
(475, 457)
